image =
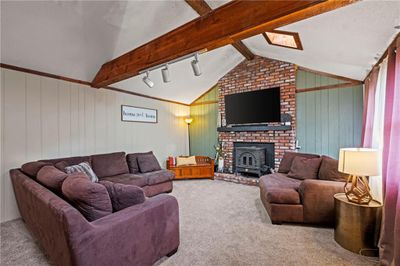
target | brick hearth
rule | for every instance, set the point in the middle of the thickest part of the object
(239, 179)
(260, 73)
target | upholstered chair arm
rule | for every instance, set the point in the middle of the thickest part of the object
(317, 199)
(150, 229)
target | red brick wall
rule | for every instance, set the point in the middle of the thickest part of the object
(260, 73)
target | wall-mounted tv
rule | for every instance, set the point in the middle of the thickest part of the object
(254, 107)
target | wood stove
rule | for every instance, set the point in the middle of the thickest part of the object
(253, 158)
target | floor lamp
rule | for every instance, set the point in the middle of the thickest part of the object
(189, 120)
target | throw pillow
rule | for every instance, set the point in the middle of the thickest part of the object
(329, 170)
(303, 168)
(109, 164)
(133, 163)
(191, 160)
(90, 198)
(51, 177)
(286, 162)
(123, 196)
(148, 163)
(33, 168)
(82, 168)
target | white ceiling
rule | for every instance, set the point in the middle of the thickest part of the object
(74, 38)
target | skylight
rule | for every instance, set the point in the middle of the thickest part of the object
(284, 39)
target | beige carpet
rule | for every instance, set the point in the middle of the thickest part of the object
(221, 224)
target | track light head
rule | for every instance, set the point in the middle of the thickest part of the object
(196, 66)
(147, 80)
(165, 74)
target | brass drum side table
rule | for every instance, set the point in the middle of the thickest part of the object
(357, 226)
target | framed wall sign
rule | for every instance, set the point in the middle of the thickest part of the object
(138, 114)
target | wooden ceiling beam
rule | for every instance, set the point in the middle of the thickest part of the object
(202, 8)
(225, 25)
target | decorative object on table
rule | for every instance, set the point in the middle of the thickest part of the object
(357, 226)
(358, 163)
(219, 157)
(138, 114)
(188, 167)
(188, 121)
(171, 161)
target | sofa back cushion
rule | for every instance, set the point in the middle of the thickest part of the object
(69, 160)
(32, 168)
(286, 163)
(304, 168)
(90, 198)
(109, 164)
(51, 177)
(133, 163)
(329, 170)
(123, 196)
(82, 168)
(148, 163)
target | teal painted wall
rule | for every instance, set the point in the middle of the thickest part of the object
(327, 120)
(203, 129)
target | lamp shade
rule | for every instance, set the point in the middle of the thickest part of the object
(359, 161)
(188, 120)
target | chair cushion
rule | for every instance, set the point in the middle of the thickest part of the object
(123, 196)
(148, 163)
(51, 177)
(90, 198)
(329, 170)
(304, 168)
(133, 163)
(32, 168)
(286, 163)
(278, 180)
(157, 177)
(82, 168)
(128, 179)
(109, 164)
(282, 196)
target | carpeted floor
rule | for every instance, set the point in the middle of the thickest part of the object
(221, 224)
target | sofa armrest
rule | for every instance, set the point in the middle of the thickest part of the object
(317, 199)
(137, 235)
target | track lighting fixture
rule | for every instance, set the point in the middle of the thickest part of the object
(165, 74)
(147, 80)
(196, 66)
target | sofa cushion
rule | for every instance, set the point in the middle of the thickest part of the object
(157, 177)
(32, 168)
(180, 160)
(123, 196)
(329, 170)
(61, 166)
(82, 168)
(133, 163)
(282, 196)
(70, 160)
(304, 168)
(278, 180)
(109, 164)
(90, 198)
(286, 163)
(128, 179)
(148, 163)
(51, 177)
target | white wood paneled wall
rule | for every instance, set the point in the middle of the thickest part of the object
(48, 118)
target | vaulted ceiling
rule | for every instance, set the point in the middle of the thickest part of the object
(74, 38)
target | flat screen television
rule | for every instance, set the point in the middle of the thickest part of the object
(254, 107)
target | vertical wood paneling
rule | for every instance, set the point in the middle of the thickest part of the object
(48, 118)
(328, 119)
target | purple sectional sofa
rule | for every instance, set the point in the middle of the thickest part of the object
(305, 198)
(137, 235)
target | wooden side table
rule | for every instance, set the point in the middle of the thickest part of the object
(357, 226)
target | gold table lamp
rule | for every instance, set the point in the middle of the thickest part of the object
(358, 163)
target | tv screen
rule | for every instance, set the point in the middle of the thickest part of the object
(254, 107)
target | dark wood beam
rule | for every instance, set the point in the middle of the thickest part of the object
(202, 8)
(225, 25)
